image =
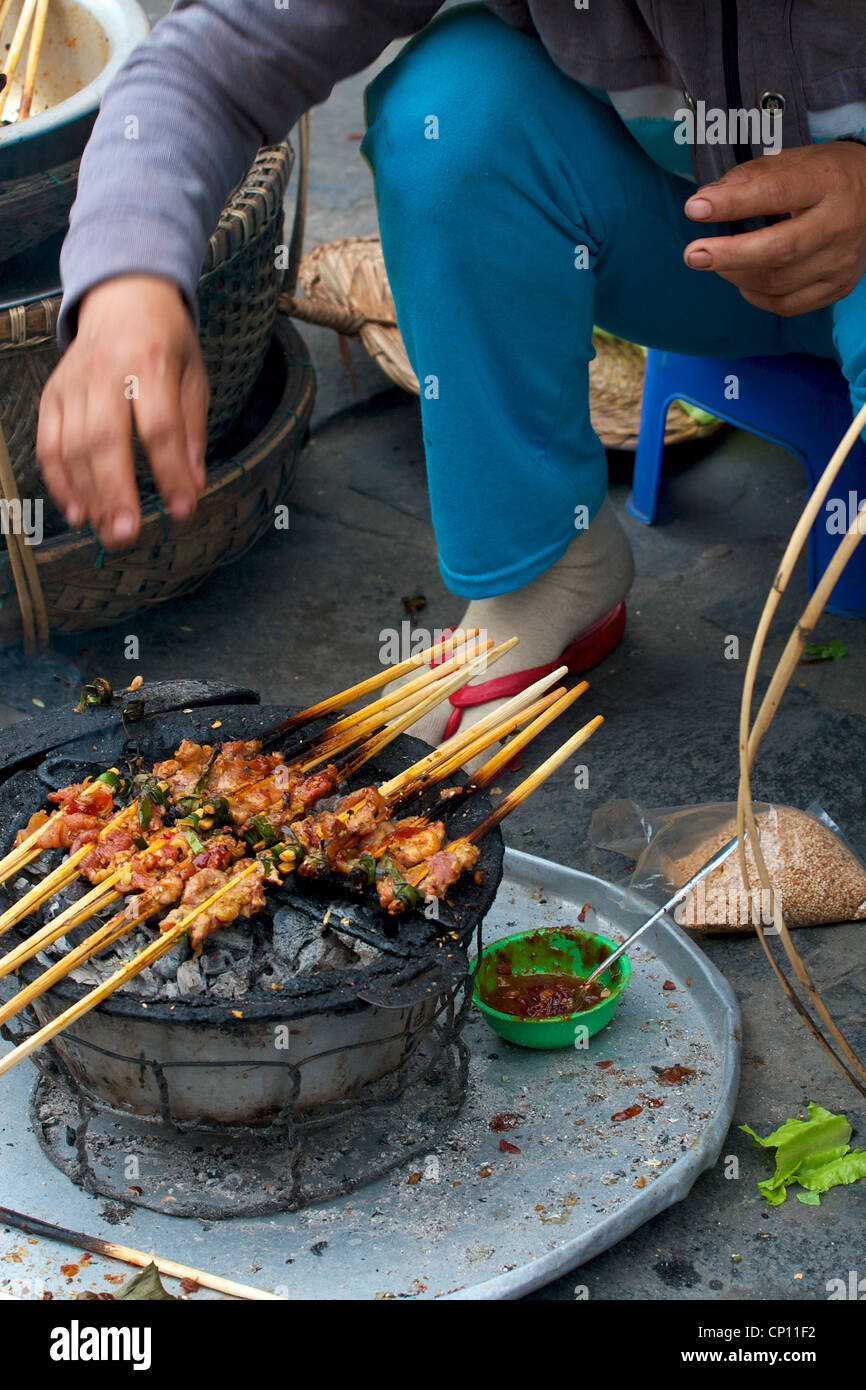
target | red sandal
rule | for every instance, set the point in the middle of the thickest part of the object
(586, 650)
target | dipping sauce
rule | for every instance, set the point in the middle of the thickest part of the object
(541, 996)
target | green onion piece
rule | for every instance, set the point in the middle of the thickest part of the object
(403, 891)
(262, 830)
(139, 841)
(205, 777)
(110, 778)
(367, 864)
(222, 811)
(193, 841)
(145, 811)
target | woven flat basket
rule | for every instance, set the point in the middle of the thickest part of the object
(237, 296)
(345, 287)
(85, 587)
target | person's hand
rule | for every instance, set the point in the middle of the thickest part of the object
(136, 354)
(812, 258)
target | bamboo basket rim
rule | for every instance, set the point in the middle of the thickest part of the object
(35, 322)
(220, 475)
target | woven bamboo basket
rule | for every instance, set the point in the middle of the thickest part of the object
(33, 208)
(345, 287)
(237, 296)
(85, 587)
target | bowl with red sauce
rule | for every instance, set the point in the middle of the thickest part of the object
(527, 986)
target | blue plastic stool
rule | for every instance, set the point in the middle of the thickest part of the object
(797, 401)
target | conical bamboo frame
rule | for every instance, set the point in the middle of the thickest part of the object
(750, 740)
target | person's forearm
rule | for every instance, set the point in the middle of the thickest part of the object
(181, 123)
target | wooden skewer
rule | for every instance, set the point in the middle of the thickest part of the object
(480, 745)
(16, 47)
(21, 863)
(5, 7)
(36, 37)
(491, 769)
(529, 784)
(125, 972)
(111, 931)
(442, 691)
(464, 737)
(415, 877)
(362, 688)
(137, 1258)
(75, 914)
(59, 878)
(63, 875)
(387, 702)
(98, 940)
(21, 854)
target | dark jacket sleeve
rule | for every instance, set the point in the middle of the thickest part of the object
(182, 122)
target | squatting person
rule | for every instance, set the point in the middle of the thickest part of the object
(535, 174)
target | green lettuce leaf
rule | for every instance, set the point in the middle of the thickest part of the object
(812, 1153)
(845, 1169)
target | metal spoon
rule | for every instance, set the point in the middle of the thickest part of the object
(718, 858)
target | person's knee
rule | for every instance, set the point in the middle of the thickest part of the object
(447, 111)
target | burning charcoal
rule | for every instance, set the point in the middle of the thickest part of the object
(189, 980)
(146, 982)
(86, 975)
(229, 985)
(324, 952)
(167, 966)
(290, 934)
(214, 962)
(275, 973)
(230, 939)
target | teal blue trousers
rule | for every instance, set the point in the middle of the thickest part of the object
(516, 210)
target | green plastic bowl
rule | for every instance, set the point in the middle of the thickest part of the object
(551, 951)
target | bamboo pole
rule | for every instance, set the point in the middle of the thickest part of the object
(751, 737)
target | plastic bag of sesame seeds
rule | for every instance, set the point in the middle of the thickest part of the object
(813, 870)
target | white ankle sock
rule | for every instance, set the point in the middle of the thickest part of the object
(590, 579)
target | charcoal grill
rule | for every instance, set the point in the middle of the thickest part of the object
(289, 1096)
